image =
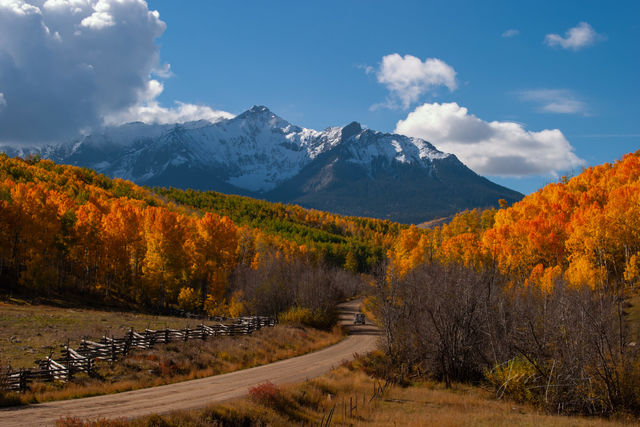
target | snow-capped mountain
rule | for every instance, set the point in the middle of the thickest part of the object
(347, 170)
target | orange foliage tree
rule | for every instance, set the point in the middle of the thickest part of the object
(586, 229)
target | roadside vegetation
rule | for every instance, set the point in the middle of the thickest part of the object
(419, 403)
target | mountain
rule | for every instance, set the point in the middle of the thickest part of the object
(347, 170)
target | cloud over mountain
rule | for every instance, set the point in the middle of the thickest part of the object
(66, 65)
(149, 110)
(490, 148)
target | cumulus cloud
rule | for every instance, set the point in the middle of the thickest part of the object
(490, 148)
(3, 102)
(510, 33)
(408, 77)
(574, 38)
(561, 101)
(68, 65)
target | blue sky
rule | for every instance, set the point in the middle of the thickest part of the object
(305, 61)
(520, 91)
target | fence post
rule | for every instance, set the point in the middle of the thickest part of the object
(50, 373)
(128, 342)
(150, 338)
(23, 380)
(68, 369)
(68, 362)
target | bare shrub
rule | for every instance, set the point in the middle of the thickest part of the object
(278, 285)
(565, 349)
(577, 343)
(443, 319)
(267, 394)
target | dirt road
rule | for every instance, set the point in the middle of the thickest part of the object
(201, 392)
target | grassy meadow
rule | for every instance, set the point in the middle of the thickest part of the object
(31, 332)
(163, 364)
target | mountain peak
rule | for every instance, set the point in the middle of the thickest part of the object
(261, 116)
(258, 109)
(350, 169)
(258, 112)
(351, 129)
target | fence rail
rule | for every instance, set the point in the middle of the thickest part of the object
(111, 349)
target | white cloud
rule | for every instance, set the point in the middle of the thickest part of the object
(561, 101)
(98, 21)
(72, 65)
(152, 112)
(574, 38)
(148, 110)
(510, 33)
(490, 148)
(62, 73)
(3, 102)
(407, 77)
(19, 7)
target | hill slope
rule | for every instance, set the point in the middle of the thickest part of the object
(586, 229)
(70, 231)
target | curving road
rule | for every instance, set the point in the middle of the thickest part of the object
(201, 392)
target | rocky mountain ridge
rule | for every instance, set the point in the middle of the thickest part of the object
(347, 170)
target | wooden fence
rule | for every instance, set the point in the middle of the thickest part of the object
(110, 349)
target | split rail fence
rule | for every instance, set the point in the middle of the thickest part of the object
(110, 349)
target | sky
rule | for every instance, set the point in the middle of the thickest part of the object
(522, 92)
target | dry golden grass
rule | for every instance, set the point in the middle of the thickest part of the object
(30, 332)
(426, 404)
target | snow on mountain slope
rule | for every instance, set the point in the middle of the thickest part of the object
(348, 170)
(255, 151)
(368, 146)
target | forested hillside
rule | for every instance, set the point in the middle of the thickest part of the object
(539, 299)
(68, 231)
(586, 229)
(356, 243)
